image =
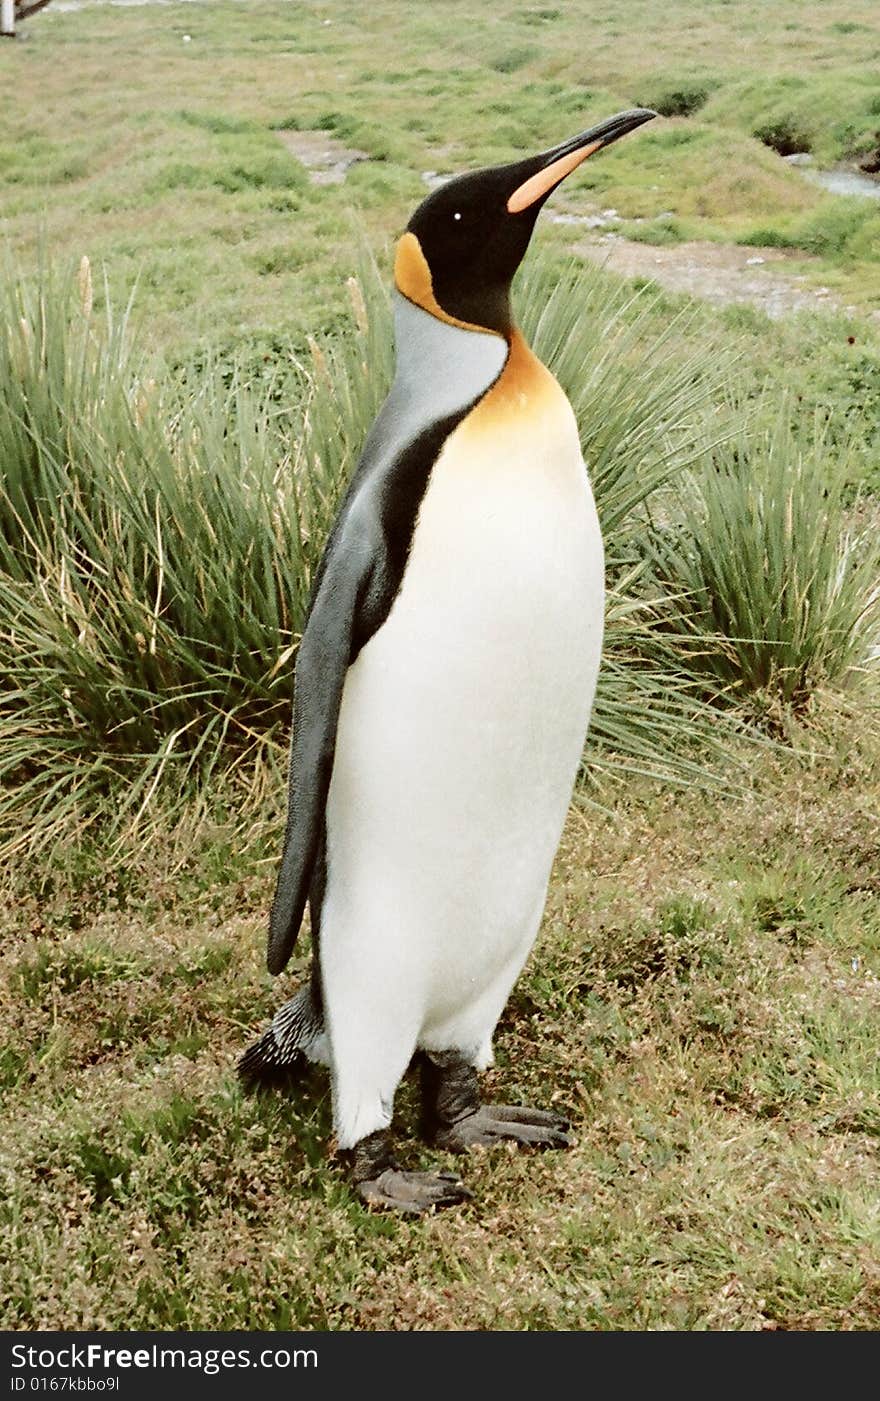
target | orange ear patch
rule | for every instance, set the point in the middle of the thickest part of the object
(543, 182)
(412, 277)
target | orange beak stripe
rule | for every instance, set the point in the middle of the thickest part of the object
(543, 182)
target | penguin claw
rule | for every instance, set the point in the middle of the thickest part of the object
(524, 1114)
(495, 1123)
(412, 1192)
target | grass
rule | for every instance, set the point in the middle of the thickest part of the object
(161, 527)
(705, 1009)
(160, 533)
(762, 556)
(704, 997)
(195, 197)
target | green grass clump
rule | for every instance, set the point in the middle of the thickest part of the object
(778, 593)
(766, 236)
(680, 101)
(514, 59)
(659, 232)
(785, 135)
(219, 123)
(841, 230)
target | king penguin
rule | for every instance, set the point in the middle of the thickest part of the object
(443, 689)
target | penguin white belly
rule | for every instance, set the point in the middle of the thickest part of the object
(461, 729)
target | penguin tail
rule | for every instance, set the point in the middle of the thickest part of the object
(295, 1037)
(260, 1065)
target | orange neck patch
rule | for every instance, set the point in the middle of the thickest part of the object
(521, 397)
(412, 277)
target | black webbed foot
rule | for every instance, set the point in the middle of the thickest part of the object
(493, 1123)
(412, 1192)
(455, 1118)
(383, 1185)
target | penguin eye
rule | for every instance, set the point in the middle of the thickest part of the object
(456, 215)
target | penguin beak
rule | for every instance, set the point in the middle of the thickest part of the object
(551, 167)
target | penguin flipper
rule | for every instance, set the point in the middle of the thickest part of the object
(325, 653)
(358, 578)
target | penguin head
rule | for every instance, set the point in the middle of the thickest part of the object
(465, 241)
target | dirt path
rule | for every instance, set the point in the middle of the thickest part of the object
(326, 159)
(722, 274)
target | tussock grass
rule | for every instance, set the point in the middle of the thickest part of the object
(780, 593)
(160, 533)
(157, 546)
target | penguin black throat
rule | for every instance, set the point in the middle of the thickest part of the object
(474, 230)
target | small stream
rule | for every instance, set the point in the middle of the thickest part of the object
(845, 182)
(840, 181)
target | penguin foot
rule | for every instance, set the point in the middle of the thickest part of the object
(455, 1118)
(384, 1186)
(493, 1123)
(412, 1192)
